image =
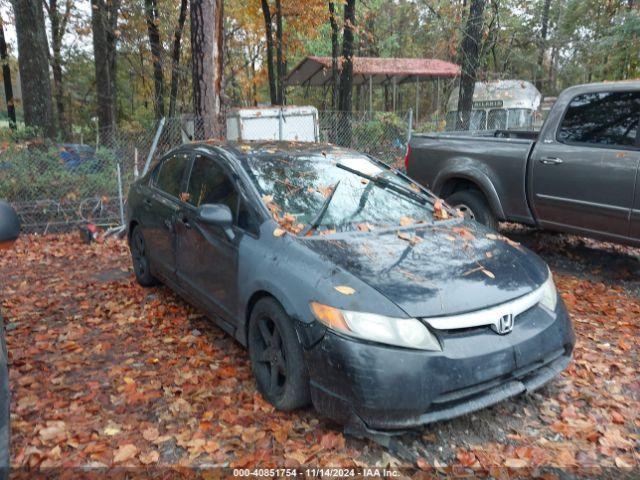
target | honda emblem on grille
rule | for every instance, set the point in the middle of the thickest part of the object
(505, 325)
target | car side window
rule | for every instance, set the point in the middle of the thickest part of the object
(169, 176)
(602, 118)
(210, 183)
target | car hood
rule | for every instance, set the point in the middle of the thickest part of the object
(439, 269)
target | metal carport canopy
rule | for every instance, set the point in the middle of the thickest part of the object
(316, 71)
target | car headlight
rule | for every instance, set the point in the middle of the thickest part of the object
(401, 332)
(549, 298)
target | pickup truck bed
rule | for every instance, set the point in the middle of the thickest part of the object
(580, 174)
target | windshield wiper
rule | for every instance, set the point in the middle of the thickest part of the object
(323, 209)
(385, 183)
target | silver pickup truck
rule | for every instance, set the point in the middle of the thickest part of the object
(580, 174)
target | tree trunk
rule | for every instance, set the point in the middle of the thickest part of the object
(104, 22)
(470, 56)
(151, 13)
(279, 55)
(542, 44)
(346, 75)
(59, 21)
(334, 55)
(175, 58)
(268, 26)
(34, 65)
(207, 41)
(6, 77)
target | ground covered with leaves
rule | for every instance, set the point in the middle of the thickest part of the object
(104, 372)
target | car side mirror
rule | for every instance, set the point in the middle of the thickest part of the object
(218, 215)
(9, 226)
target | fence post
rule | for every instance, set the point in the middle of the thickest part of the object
(410, 126)
(280, 125)
(154, 146)
(120, 193)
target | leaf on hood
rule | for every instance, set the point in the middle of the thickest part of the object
(345, 290)
(439, 211)
(412, 239)
(364, 227)
(406, 221)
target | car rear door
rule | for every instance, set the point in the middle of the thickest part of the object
(584, 175)
(207, 256)
(160, 211)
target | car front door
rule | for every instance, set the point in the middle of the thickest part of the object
(583, 176)
(161, 207)
(207, 256)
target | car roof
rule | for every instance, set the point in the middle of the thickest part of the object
(242, 150)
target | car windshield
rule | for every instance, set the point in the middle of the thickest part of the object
(337, 191)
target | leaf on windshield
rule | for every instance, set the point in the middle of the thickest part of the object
(279, 232)
(439, 211)
(463, 232)
(364, 181)
(364, 227)
(328, 231)
(267, 199)
(412, 239)
(343, 289)
(406, 221)
(326, 191)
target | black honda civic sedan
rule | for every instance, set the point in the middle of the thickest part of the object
(353, 288)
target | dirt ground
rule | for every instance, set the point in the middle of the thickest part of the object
(104, 372)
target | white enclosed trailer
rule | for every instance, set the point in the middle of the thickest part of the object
(273, 123)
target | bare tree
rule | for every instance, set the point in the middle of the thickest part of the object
(207, 47)
(33, 52)
(175, 57)
(470, 57)
(151, 14)
(542, 43)
(59, 19)
(271, 70)
(346, 76)
(346, 73)
(280, 54)
(104, 22)
(335, 47)
(6, 77)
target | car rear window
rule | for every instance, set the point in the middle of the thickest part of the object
(602, 118)
(169, 177)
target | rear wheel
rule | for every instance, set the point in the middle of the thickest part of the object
(473, 206)
(140, 258)
(276, 357)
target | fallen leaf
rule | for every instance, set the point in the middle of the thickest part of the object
(343, 289)
(125, 453)
(149, 457)
(279, 232)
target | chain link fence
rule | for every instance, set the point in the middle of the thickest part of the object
(59, 186)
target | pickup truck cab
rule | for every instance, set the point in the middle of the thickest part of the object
(580, 174)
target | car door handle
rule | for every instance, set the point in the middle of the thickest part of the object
(551, 160)
(185, 222)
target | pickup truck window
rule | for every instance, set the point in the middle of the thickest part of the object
(602, 118)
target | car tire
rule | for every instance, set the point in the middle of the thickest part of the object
(277, 359)
(140, 259)
(474, 206)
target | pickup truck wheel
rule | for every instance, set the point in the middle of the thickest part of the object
(473, 206)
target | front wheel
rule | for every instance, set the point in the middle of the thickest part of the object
(473, 206)
(276, 357)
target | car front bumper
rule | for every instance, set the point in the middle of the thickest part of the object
(381, 388)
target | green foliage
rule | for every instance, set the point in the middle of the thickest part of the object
(30, 172)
